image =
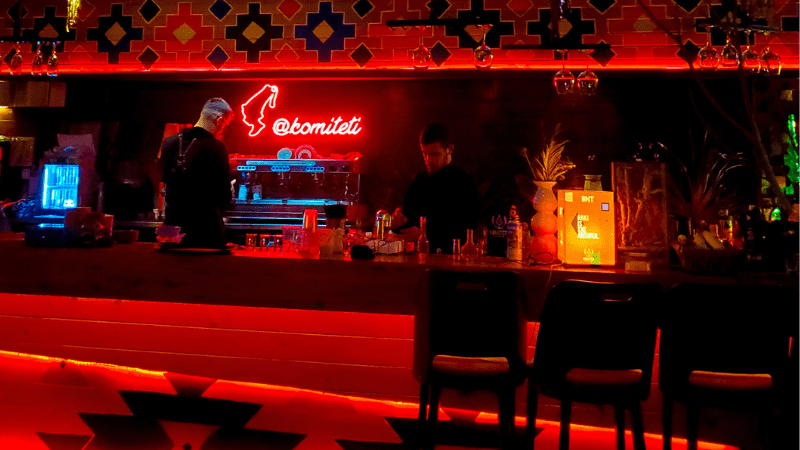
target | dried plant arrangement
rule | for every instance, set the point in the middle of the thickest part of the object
(705, 190)
(548, 165)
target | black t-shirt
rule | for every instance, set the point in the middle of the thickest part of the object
(449, 199)
(200, 190)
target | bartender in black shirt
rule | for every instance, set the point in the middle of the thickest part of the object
(197, 178)
(444, 193)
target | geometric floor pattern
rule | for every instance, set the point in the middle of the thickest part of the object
(53, 404)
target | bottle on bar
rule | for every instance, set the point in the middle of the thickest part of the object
(483, 233)
(470, 251)
(423, 246)
(514, 236)
(496, 244)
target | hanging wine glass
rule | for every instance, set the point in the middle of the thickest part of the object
(482, 56)
(587, 82)
(770, 63)
(729, 59)
(751, 60)
(708, 58)
(563, 80)
(16, 61)
(52, 62)
(37, 65)
(421, 56)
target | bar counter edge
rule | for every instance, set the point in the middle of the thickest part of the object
(385, 285)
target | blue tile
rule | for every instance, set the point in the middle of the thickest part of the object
(218, 57)
(439, 54)
(149, 10)
(341, 31)
(220, 9)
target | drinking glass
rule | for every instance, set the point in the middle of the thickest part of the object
(564, 81)
(16, 62)
(52, 62)
(751, 60)
(708, 58)
(770, 63)
(730, 56)
(38, 64)
(587, 82)
(482, 56)
(421, 57)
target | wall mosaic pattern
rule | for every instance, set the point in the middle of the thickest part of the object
(170, 35)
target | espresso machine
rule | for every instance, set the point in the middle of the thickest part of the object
(272, 191)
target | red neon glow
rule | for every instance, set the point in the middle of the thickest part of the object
(596, 432)
(282, 127)
(270, 99)
(268, 96)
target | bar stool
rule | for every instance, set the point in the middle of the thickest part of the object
(728, 347)
(469, 334)
(596, 345)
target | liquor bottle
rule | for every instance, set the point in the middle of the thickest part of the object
(423, 246)
(100, 197)
(470, 251)
(725, 227)
(457, 249)
(750, 228)
(483, 233)
(496, 244)
(514, 236)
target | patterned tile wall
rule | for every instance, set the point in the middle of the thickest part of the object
(171, 35)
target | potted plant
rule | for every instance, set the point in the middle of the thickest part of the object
(706, 189)
(547, 167)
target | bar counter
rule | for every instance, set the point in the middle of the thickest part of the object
(329, 324)
(384, 285)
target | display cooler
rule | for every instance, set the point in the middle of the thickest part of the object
(59, 189)
(272, 191)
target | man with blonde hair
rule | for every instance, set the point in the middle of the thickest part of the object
(197, 177)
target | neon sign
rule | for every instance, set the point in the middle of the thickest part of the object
(282, 127)
(269, 101)
(267, 97)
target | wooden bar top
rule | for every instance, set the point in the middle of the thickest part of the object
(386, 284)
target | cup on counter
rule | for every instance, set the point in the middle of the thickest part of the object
(292, 237)
(251, 241)
(108, 224)
(75, 217)
(325, 241)
(266, 242)
(168, 230)
(168, 234)
(310, 220)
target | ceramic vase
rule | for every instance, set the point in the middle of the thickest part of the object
(544, 223)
